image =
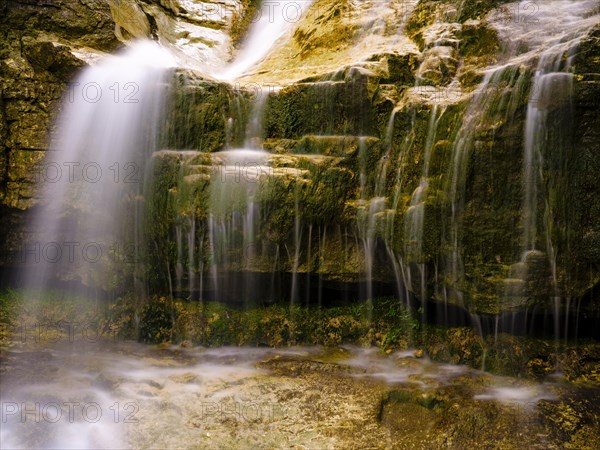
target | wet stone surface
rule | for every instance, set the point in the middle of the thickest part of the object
(127, 395)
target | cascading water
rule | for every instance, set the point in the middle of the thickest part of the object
(548, 125)
(233, 217)
(547, 141)
(233, 230)
(489, 99)
(89, 224)
(229, 224)
(93, 176)
(273, 21)
(496, 101)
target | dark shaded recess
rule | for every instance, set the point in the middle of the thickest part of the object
(12, 231)
(252, 289)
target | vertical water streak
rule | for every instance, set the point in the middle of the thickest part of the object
(191, 247)
(551, 93)
(179, 260)
(297, 245)
(415, 214)
(493, 101)
(254, 128)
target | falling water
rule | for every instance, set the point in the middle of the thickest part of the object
(493, 101)
(297, 247)
(547, 130)
(233, 234)
(416, 210)
(94, 172)
(552, 88)
(274, 20)
(92, 182)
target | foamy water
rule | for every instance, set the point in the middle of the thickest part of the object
(107, 395)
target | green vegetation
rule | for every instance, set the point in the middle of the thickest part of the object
(384, 323)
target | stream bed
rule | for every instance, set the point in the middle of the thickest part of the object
(112, 394)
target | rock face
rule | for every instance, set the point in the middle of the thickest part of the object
(397, 143)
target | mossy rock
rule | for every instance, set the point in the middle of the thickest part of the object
(157, 319)
(324, 108)
(477, 9)
(572, 422)
(201, 109)
(479, 44)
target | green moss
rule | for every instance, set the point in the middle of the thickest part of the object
(277, 196)
(422, 16)
(325, 108)
(159, 213)
(200, 112)
(477, 9)
(157, 318)
(479, 44)
(324, 198)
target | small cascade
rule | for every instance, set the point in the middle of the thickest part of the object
(275, 19)
(296, 250)
(552, 88)
(230, 245)
(534, 278)
(547, 126)
(322, 249)
(415, 214)
(233, 214)
(254, 127)
(371, 206)
(493, 101)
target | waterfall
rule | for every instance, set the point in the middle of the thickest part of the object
(92, 179)
(493, 96)
(233, 232)
(233, 236)
(228, 233)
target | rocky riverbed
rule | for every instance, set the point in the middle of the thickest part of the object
(121, 394)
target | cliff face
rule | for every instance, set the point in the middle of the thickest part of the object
(386, 134)
(415, 145)
(37, 40)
